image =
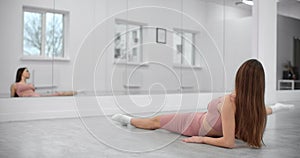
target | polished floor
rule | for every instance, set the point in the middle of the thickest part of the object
(100, 137)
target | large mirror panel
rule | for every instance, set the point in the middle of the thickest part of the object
(28, 31)
(105, 47)
(288, 45)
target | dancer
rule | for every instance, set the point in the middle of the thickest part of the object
(23, 89)
(241, 114)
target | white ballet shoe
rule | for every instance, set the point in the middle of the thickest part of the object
(122, 119)
(281, 107)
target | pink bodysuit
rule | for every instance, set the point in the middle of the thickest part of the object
(195, 123)
(26, 90)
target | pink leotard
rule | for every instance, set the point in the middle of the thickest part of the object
(195, 123)
(26, 90)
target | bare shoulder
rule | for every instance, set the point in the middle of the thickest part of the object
(228, 104)
(13, 86)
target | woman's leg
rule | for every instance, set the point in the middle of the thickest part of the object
(269, 110)
(183, 123)
(278, 107)
(66, 93)
(146, 123)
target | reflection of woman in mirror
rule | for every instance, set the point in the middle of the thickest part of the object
(23, 89)
(241, 114)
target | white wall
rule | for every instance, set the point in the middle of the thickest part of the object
(237, 52)
(287, 29)
(91, 29)
(265, 20)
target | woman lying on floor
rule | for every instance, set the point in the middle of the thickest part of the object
(241, 114)
(23, 89)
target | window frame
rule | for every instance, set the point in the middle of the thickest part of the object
(193, 42)
(141, 55)
(43, 56)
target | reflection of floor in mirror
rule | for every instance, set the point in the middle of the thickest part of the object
(99, 137)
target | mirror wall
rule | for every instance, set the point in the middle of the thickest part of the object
(24, 44)
(288, 45)
(105, 47)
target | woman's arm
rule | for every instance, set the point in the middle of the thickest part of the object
(12, 90)
(228, 127)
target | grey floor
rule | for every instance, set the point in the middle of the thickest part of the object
(100, 137)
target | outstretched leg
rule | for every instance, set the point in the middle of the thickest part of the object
(144, 123)
(183, 123)
(278, 107)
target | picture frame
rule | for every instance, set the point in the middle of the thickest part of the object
(161, 35)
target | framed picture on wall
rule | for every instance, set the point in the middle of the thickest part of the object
(161, 35)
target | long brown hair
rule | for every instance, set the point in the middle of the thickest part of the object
(19, 77)
(250, 116)
(19, 74)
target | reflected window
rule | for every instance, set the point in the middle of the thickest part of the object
(43, 33)
(128, 41)
(183, 45)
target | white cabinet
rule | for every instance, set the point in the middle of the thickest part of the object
(288, 84)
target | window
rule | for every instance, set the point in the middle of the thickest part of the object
(128, 42)
(43, 33)
(183, 44)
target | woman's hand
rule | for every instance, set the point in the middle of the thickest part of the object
(194, 139)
